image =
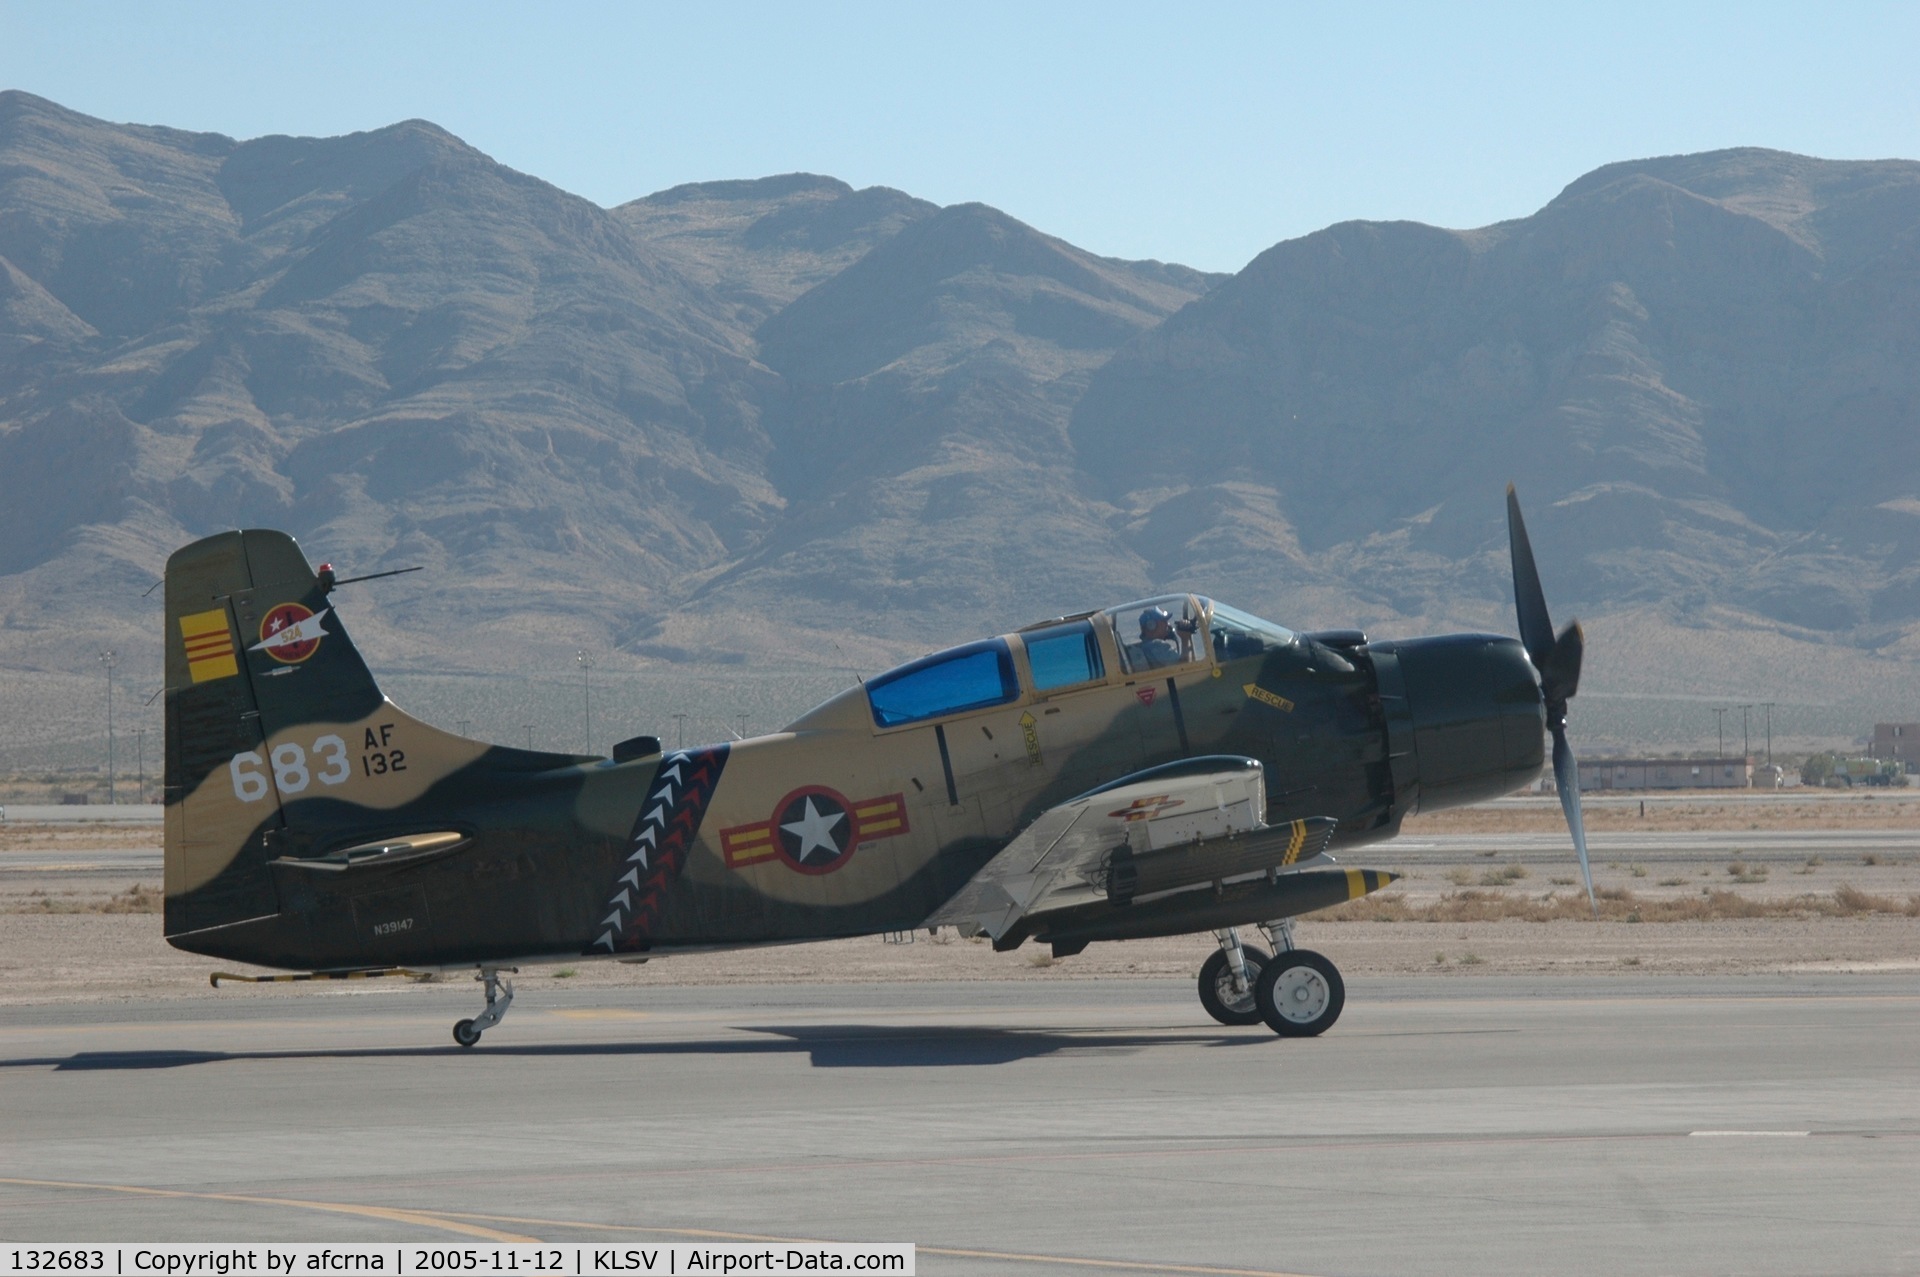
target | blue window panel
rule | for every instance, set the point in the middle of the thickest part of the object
(1064, 656)
(961, 678)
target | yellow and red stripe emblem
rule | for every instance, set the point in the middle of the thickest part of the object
(747, 844)
(209, 644)
(880, 817)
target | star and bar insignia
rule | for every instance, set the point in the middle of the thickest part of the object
(815, 830)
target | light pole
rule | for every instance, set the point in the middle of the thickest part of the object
(1746, 741)
(529, 727)
(109, 659)
(743, 727)
(140, 748)
(680, 724)
(1720, 727)
(586, 693)
(1768, 706)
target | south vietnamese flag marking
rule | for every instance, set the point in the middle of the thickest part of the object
(209, 645)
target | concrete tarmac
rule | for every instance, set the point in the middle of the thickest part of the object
(1467, 1125)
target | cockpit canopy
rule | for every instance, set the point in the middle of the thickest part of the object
(1173, 631)
(961, 678)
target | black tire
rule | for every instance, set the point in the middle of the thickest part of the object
(465, 1034)
(1300, 994)
(1216, 987)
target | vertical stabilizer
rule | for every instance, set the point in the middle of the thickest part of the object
(254, 656)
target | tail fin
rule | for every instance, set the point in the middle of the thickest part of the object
(279, 742)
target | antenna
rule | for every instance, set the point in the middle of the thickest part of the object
(329, 582)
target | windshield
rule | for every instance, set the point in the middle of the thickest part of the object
(1235, 634)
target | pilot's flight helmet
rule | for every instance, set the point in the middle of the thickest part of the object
(1153, 616)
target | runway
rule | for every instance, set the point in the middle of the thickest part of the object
(1484, 1125)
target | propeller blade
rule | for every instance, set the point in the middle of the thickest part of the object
(1566, 778)
(1558, 662)
(1536, 627)
(1560, 677)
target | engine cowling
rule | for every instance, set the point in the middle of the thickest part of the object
(1465, 719)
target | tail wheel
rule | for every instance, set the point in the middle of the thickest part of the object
(1300, 994)
(1217, 994)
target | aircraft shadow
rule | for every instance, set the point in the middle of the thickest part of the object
(828, 1046)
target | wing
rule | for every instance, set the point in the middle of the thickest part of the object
(1184, 824)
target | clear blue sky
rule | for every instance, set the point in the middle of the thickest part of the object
(1199, 134)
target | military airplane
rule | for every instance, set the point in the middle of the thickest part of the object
(1164, 767)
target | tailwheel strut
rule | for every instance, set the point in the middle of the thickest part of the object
(499, 998)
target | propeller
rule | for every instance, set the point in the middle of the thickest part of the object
(1557, 658)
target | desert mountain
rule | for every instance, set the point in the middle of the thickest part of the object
(1701, 370)
(788, 416)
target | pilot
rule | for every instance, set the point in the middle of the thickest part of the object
(1159, 645)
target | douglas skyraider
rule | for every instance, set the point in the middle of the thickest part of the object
(1163, 767)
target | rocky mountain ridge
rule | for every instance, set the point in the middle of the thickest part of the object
(785, 417)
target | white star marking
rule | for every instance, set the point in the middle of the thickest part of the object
(814, 831)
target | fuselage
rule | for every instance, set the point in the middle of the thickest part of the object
(873, 809)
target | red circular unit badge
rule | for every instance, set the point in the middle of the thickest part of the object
(279, 621)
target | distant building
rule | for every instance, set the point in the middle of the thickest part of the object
(1600, 774)
(1898, 741)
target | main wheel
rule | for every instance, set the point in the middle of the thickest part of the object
(1300, 994)
(465, 1034)
(1216, 987)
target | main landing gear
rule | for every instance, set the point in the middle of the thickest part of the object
(1296, 992)
(499, 998)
